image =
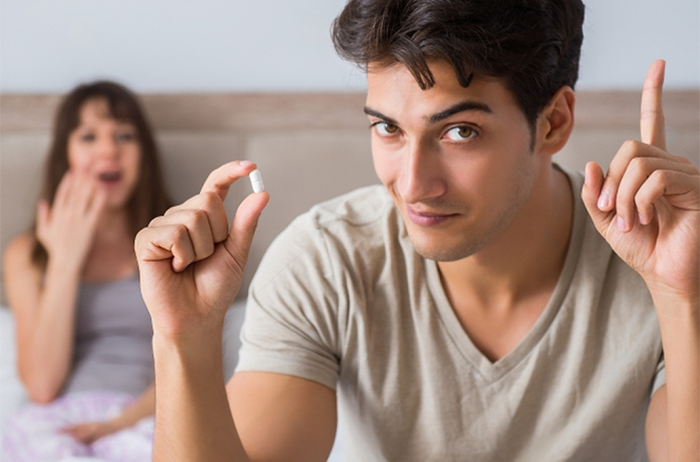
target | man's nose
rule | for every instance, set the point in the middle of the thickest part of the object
(420, 177)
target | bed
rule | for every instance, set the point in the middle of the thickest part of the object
(309, 147)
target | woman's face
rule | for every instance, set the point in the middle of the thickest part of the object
(108, 150)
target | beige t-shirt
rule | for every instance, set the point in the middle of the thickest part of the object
(342, 299)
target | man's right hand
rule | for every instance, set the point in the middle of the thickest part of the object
(190, 262)
(191, 266)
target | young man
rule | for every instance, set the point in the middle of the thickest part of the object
(483, 305)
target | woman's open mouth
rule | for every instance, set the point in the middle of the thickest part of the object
(110, 178)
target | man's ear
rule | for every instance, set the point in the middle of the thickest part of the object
(556, 121)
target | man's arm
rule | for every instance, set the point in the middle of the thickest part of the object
(673, 419)
(277, 417)
(190, 265)
(648, 209)
(301, 415)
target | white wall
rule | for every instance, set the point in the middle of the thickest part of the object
(284, 45)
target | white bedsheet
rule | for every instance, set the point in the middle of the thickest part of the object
(12, 395)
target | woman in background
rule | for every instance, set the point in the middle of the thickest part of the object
(83, 332)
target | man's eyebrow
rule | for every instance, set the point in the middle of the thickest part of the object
(379, 115)
(460, 107)
(442, 115)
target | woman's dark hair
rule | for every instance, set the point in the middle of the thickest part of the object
(534, 45)
(149, 197)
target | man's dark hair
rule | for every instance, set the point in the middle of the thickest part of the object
(534, 45)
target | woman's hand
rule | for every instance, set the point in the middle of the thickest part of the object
(190, 263)
(66, 228)
(89, 432)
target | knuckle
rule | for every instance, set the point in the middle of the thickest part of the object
(180, 233)
(210, 200)
(642, 164)
(631, 147)
(198, 218)
(206, 249)
(659, 177)
(172, 210)
(154, 222)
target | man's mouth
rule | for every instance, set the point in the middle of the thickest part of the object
(425, 218)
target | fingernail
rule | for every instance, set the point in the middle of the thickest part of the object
(244, 163)
(621, 225)
(603, 201)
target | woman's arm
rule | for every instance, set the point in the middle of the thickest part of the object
(89, 432)
(144, 406)
(44, 300)
(44, 312)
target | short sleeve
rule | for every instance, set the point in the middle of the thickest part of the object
(291, 312)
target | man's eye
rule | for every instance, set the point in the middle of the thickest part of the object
(460, 133)
(385, 129)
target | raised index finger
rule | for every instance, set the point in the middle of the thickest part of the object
(220, 180)
(652, 124)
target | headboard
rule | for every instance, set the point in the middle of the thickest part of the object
(308, 146)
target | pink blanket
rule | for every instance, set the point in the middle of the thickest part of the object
(33, 433)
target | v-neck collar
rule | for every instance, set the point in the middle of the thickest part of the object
(492, 371)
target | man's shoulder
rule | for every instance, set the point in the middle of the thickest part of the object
(354, 215)
(360, 219)
(360, 207)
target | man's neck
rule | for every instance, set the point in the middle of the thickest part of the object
(525, 259)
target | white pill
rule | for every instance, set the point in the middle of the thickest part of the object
(256, 181)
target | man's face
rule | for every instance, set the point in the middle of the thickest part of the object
(456, 161)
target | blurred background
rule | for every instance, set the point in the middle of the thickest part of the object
(278, 45)
(232, 79)
(258, 79)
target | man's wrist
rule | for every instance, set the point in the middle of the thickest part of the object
(194, 350)
(670, 305)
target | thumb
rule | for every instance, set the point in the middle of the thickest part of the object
(244, 224)
(597, 204)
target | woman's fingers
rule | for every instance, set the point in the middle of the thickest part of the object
(77, 195)
(63, 190)
(42, 216)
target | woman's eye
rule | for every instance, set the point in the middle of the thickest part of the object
(460, 133)
(385, 129)
(125, 137)
(87, 137)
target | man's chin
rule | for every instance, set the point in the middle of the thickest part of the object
(445, 253)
